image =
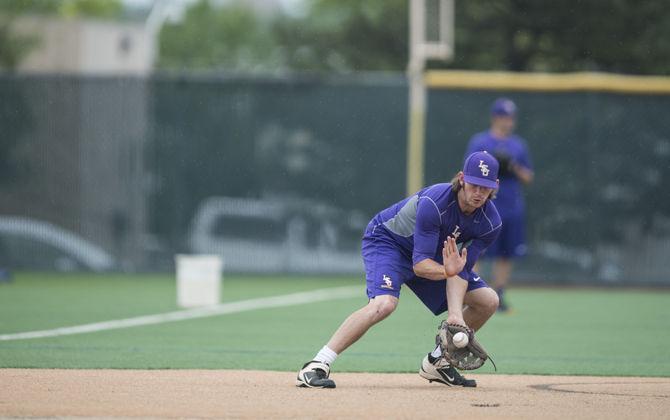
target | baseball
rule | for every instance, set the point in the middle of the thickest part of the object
(460, 340)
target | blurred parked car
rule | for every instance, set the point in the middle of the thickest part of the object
(28, 244)
(274, 235)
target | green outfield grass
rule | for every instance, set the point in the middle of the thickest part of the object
(573, 331)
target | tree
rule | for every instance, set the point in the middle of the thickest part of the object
(109, 9)
(231, 37)
(623, 36)
(346, 35)
(339, 36)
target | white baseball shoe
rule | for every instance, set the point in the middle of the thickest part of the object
(315, 375)
(439, 370)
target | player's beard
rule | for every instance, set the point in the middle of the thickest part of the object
(477, 202)
(470, 202)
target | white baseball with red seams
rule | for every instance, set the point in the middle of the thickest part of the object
(461, 339)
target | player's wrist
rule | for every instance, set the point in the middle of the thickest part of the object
(455, 317)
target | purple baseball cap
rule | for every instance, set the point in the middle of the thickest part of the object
(503, 107)
(481, 168)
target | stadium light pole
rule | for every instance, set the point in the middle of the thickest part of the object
(417, 98)
(421, 49)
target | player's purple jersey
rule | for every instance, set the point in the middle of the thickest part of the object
(420, 224)
(509, 199)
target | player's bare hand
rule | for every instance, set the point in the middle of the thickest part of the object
(458, 320)
(452, 259)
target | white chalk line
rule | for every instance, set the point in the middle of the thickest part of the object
(292, 299)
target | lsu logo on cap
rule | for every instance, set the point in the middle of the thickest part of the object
(484, 167)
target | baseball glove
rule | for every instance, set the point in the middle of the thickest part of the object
(506, 163)
(470, 357)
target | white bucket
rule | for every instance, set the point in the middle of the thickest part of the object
(198, 280)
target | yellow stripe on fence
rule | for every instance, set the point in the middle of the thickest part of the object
(548, 82)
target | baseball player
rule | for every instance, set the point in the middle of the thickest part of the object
(414, 243)
(516, 170)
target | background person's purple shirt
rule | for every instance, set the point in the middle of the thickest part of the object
(509, 199)
(420, 224)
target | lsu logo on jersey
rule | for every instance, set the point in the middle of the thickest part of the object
(484, 167)
(388, 283)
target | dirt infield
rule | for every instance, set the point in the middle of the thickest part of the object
(254, 394)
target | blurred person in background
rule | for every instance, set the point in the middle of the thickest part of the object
(516, 170)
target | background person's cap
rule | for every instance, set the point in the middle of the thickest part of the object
(503, 107)
(481, 168)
